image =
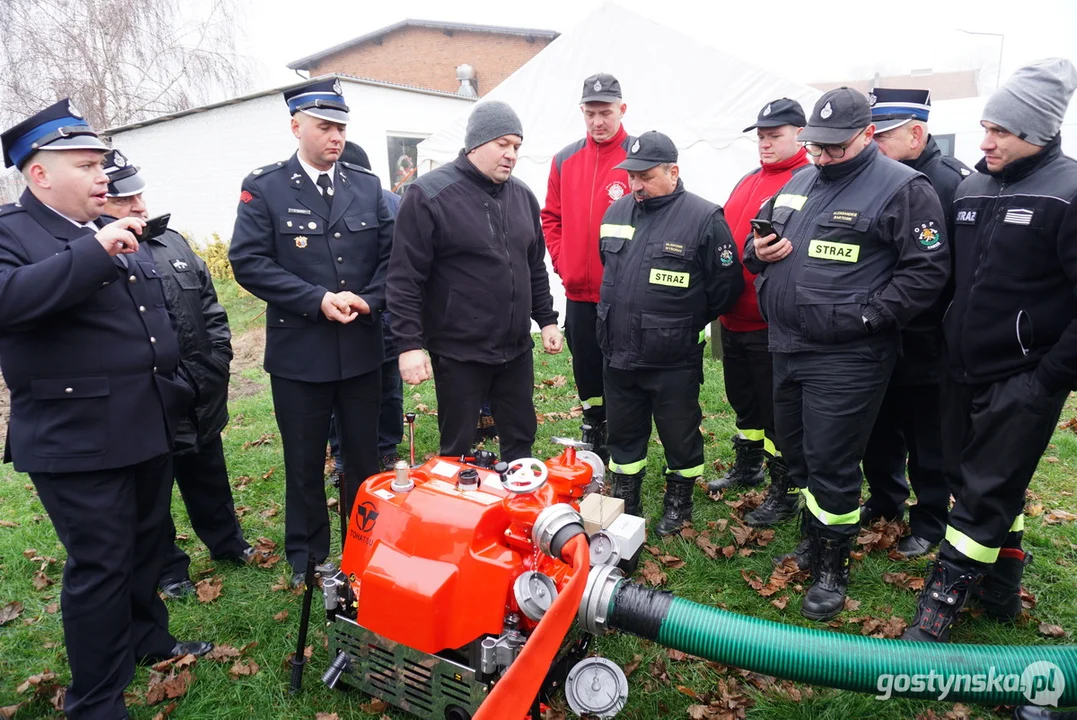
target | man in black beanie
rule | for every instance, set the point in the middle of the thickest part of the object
(1010, 342)
(467, 275)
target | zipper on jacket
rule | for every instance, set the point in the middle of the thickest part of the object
(504, 243)
(976, 275)
(590, 215)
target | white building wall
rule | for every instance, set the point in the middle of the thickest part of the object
(194, 165)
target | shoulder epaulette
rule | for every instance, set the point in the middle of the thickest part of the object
(11, 209)
(357, 168)
(268, 168)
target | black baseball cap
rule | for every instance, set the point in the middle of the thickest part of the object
(776, 113)
(648, 150)
(837, 116)
(602, 87)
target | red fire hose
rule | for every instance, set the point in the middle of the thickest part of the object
(513, 694)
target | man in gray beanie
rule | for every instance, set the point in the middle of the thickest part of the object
(1010, 342)
(467, 275)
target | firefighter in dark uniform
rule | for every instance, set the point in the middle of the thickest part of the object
(312, 239)
(206, 351)
(859, 251)
(670, 269)
(908, 425)
(1010, 343)
(91, 361)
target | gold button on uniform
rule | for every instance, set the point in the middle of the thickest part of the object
(132, 279)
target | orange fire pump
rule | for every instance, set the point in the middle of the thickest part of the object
(459, 581)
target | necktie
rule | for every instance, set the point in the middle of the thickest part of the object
(327, 188)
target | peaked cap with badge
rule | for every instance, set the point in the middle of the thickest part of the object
(602, 87)
(124, 179)
(322, 98)
(58, 127)
(893, 107)
(838, 115)
(776, 113)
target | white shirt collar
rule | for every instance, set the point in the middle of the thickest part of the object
(314, 172)
(76, 223)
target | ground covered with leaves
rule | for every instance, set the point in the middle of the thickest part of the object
(253, 616)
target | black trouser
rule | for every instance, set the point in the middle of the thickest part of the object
(391, 420)
(824, 407)
(303, 410)
(461, 388)
(749, 384)
(112, 524)
(580, 320)
(993, 437)
(202, 477)
(672, 398)
(909, 425)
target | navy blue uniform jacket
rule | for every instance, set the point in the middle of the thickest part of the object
(289, 250)
(86, 348)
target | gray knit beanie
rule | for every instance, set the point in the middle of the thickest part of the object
(1032, 103)
(489, 121)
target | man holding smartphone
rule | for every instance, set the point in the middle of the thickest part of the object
(861, 252)
(205, 342)
(746, 361)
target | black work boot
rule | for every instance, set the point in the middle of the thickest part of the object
(802, 552)
(747, 468)
(676, 505)
(782, 500)
(999, 591)
(830, 573)
(945, 592)
(593, 432)
(627, 488)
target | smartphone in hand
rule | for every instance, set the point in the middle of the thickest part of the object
(763, 228)
(155, 226)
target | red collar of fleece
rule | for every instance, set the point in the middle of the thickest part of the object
(798, 159)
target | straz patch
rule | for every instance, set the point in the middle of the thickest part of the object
(965, 217)
(927, 235)
(673, 248)
(846, 217)
(842, 252)
(615, 190)
(669, 278)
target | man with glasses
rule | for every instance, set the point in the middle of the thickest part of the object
(859, 249)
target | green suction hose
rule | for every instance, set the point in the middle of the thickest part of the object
(982, 674)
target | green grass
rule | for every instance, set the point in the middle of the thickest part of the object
(244, 613)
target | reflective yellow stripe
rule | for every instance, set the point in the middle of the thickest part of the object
(703, 335)
(1018, 523)
(842, 252)
(789, 200)
(617, 231)
(756, 436)
(969, 547)
(825, 517)
(592, 402)
(668, 277)
(692, 472)
(628, 468)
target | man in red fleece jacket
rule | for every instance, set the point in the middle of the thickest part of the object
(749, 382)
(583, 183)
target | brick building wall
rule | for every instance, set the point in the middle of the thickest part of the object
(427, 57)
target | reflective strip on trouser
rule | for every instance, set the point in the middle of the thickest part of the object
(628, 468)
(756, 436)
(589, 403)
(969, 547)
(692, 472)
(703, 336)
(1018, 524)
(826, 518)
(617, 231)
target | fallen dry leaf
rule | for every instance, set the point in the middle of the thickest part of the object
(8, 524)
(10, 612)
(1051, 631)
(35, 681)
(166, 712)
(676, 655)
(209, 589)
(652, 574)
(876, 628)
(51, 609)
(1034, 510)
(781, 602)
(8, 712)
(851, 605)
(241, 482)
(30, 554)
(671, 561)
(326, 716)
(281, 616)
(689, 692)
(1054, 517)
(688, 532)
(376, 705)
(555, 381)
(57, 699)
(266, 438)
(222, 653)
(632, 666)
(170, 687)
(240, 668)
(42, 581)
(308, 652)
(904, 580)
(709, 548)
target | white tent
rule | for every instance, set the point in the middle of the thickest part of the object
(698, 95)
